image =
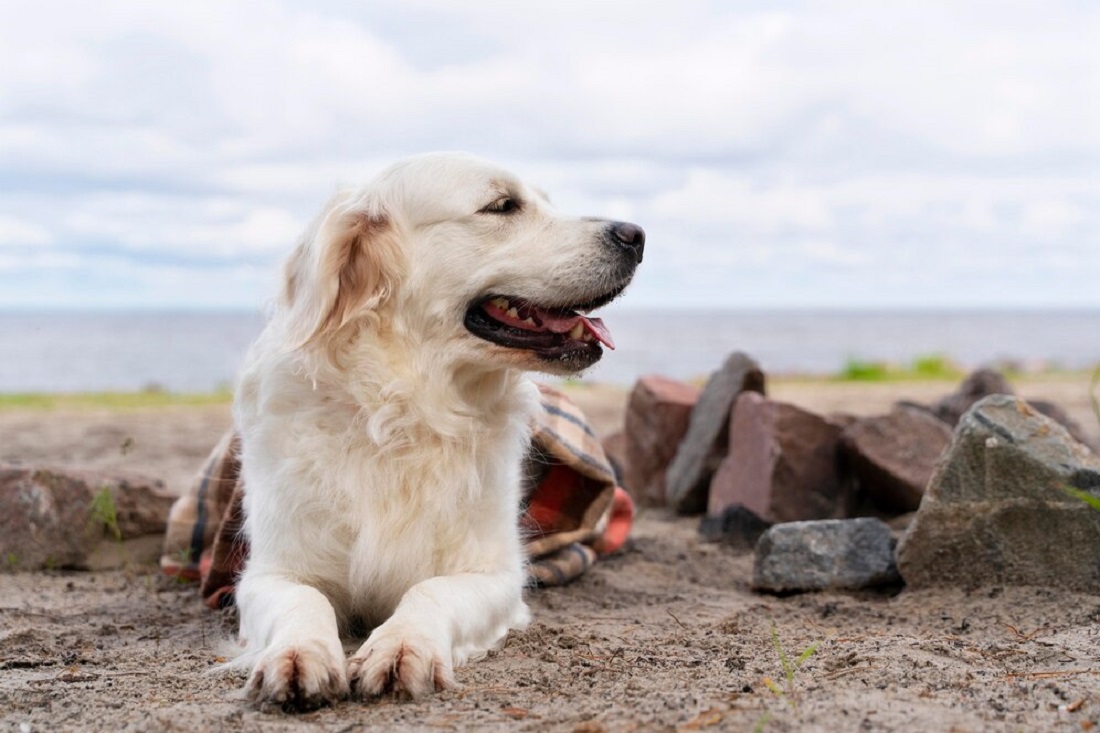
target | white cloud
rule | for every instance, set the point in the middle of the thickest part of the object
(16, 232)
(900, 148)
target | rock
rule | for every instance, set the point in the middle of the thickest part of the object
(656, 419)
(614, 447)
(706, 441)
(782, 464)
(977, 385)
(997, 511)
(831, 553)
(1060, 416)
(736, 526)
(52, 518)
(892, 456)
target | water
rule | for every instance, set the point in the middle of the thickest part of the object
(198, 351)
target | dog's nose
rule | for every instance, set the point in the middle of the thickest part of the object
(630, 237)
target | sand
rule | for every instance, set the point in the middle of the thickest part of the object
(665, 635)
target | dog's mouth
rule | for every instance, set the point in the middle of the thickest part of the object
(554, 333)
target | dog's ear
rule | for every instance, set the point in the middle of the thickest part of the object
(348, 264)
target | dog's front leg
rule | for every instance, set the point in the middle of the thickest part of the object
(301, 661)
(439, 623)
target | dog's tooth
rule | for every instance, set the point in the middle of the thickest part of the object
(529, 320)
(513, 313)
(501, 303)
(577, 331)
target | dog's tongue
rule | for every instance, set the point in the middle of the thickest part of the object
(565, 324)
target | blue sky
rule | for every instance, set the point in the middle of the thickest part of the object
(825, 154)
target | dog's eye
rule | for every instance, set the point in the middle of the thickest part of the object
(503, 205)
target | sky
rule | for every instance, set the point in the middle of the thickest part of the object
(779, 155)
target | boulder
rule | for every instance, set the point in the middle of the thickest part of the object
(999, 508)
(978, 385)
(657, 417)
(826, 554)
(1060, 416)
(53, 518)
(735, 526)
(892, 456)
(781, 464)
(705, 444)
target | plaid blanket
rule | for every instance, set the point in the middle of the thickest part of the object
(573, 508)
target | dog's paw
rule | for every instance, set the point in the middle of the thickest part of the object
(405, 664)
(298, 677)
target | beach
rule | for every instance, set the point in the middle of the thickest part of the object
(664, 635)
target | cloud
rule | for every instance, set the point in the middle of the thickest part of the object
(835, 153)
(17, 232)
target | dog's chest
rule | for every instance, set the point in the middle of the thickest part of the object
(409, 518)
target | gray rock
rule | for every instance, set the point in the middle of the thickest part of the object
(997, 512)
(782, 464)
(707, 438)
(892, 456)
(657, 417)
(735, 526)
(1060, 416)
(50, 518)
(825, 554)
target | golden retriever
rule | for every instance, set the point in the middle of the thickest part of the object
(384, 413)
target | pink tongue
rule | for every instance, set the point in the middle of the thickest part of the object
(600, 331)
(565, 324)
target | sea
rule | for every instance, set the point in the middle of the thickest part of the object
(185, 351)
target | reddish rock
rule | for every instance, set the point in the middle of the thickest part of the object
(782, 464)
(892, 456)
(50, 518)
(705, 444)
(656, 420)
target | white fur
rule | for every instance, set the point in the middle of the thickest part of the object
(383, 441)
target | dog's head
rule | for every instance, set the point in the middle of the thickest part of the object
(454, 258)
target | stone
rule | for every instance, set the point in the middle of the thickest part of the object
(998, 510)
(614, 447)
(706, 442)
(52, 518)
(735, 526)
(841, 554)
(781, 464)
(892, 457)
(657, 417)
(977, 385)
(1060, 416)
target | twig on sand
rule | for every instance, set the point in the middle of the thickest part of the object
(1051, 674)
(678, 621)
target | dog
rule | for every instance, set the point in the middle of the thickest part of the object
(384, 412)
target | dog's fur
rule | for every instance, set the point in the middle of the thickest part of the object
(382, 440)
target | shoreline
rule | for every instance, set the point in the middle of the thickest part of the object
(159, 435)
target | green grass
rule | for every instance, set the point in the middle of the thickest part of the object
(787, 691)
(111, 400)
(104, 515)
(1081, 495)
(927, 366)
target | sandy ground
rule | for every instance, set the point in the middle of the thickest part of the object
(665, 635)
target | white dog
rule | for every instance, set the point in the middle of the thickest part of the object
(384, 415)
